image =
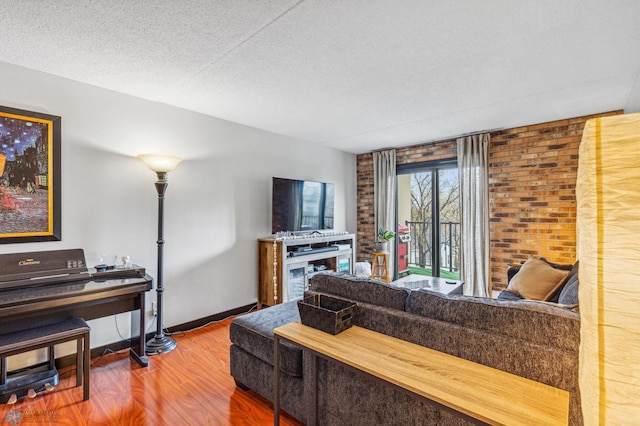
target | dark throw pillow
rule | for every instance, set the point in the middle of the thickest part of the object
(507, 295)
(569, 293)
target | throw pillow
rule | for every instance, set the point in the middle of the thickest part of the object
(507, 295)
(569, 293)
(363, 269)
(573, 269)
(536, 280)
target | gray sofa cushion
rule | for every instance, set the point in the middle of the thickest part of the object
(254, 333)
(535, 322)
(359, 289)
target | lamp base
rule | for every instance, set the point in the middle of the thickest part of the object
(160, 344)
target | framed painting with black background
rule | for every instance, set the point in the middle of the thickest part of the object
(29, 176)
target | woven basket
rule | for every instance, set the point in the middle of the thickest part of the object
(326, 313)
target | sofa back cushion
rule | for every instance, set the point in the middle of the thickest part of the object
(536, 322)
(359, 289)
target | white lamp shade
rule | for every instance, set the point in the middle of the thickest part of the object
(608, 226)
(160, 163)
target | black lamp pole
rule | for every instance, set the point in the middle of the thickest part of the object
(160, 343)
(161, 165)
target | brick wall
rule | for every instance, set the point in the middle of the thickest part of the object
(365, 234)
(532, 205)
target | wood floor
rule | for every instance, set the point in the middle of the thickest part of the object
(188, 386)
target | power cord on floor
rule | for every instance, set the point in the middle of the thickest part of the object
(149, 327)
(108, 351)
(182, 332)
(115, 319)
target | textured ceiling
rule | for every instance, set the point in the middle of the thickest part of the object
(356, 75)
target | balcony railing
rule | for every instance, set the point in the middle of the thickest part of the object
(420, 246)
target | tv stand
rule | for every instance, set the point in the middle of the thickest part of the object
(293, 259)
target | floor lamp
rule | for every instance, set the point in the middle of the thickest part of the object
(161, 165)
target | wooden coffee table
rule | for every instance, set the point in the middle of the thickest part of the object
(474, 391)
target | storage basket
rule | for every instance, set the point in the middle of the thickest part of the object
(326, 313)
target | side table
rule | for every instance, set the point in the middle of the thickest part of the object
(380, 266)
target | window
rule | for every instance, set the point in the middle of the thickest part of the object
(428, 212)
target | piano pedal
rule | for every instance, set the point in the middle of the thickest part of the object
(48, 387)
(31, 393)
(12, 399)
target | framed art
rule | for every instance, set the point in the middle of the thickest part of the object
(29, 176)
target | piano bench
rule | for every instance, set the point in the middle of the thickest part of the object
(47, 337)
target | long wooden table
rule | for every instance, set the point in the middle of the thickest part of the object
(473, 391)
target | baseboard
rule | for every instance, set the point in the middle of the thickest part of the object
(181, 328)
(206, 320)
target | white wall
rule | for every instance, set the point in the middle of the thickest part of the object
(633, 101)
(218, 201)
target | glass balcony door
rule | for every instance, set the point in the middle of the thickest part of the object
(429, 219)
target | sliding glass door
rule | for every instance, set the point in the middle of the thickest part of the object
(429, 219)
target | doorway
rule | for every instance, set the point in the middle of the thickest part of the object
(428, 212)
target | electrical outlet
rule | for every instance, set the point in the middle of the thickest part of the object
(154, 307)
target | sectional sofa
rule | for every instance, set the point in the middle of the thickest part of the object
(534, 340)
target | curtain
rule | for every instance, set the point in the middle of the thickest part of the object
(384, 193)
(473, 158)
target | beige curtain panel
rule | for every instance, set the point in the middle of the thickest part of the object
(384, 195)
(473, 163)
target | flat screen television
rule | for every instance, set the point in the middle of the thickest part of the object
(301, 206)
